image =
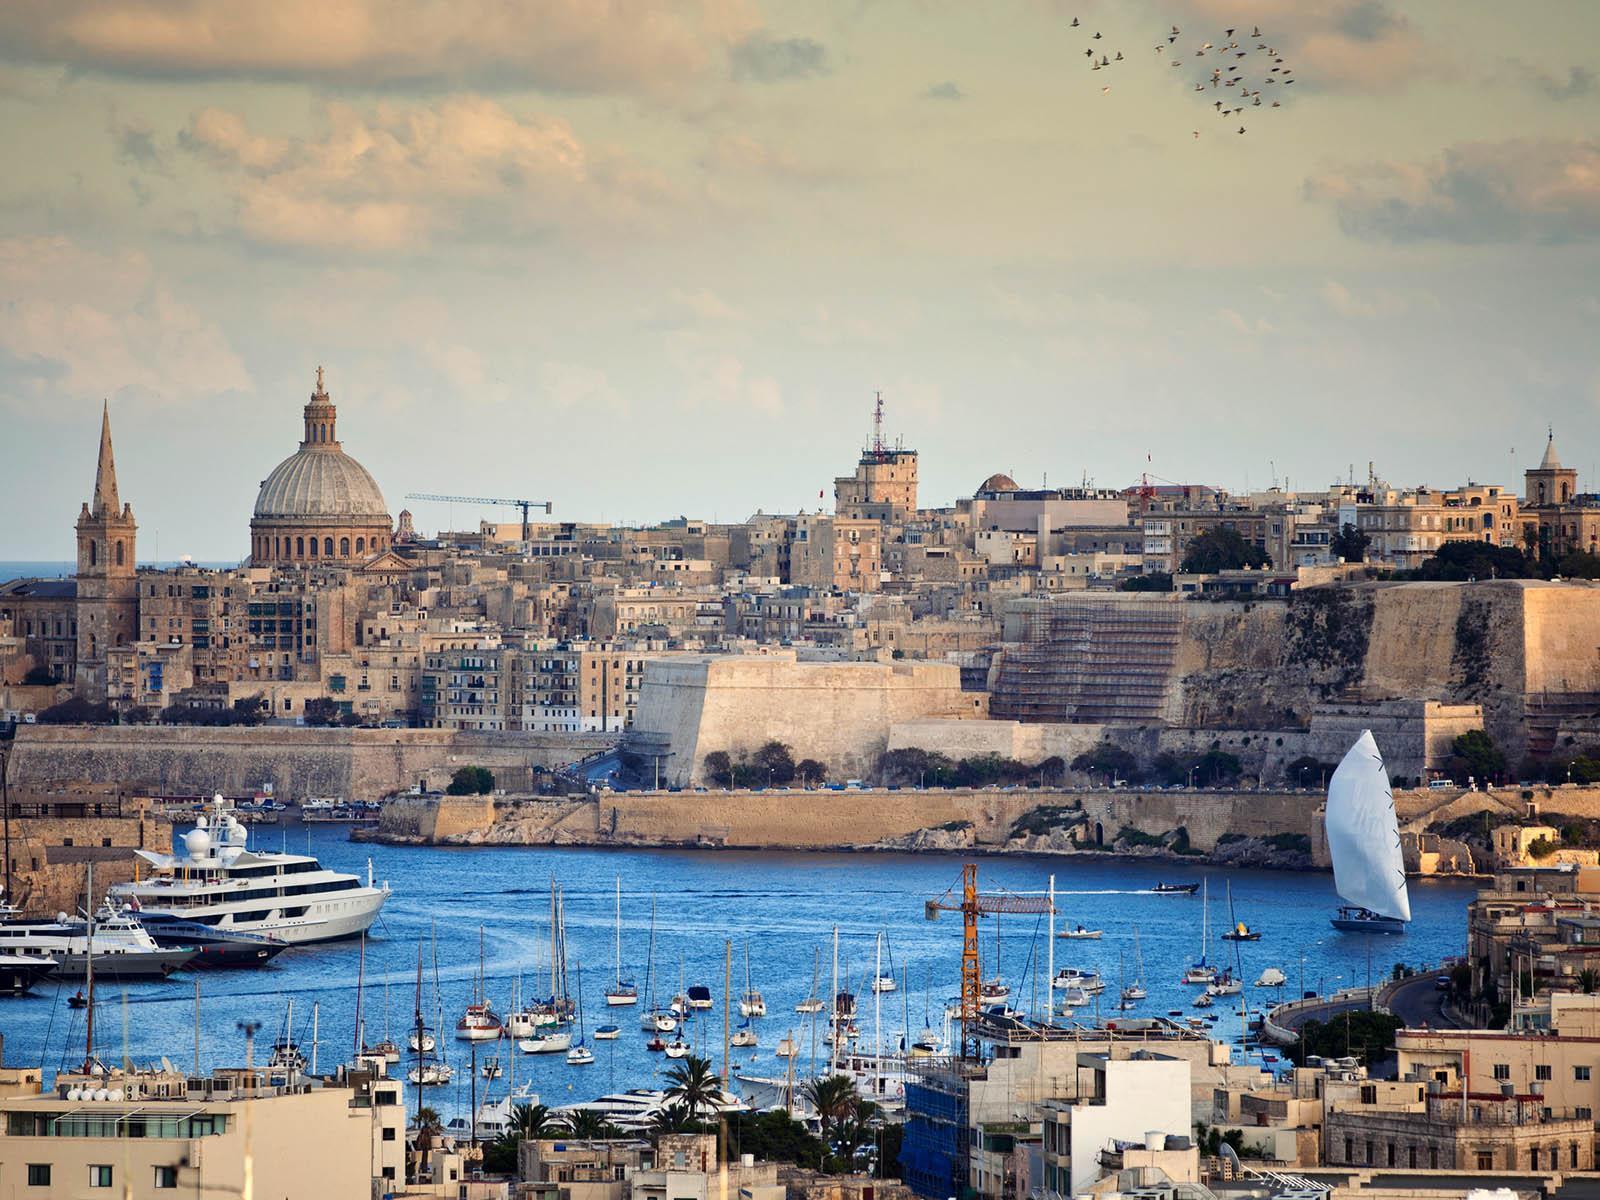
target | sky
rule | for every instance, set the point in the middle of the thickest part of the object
(644, 259)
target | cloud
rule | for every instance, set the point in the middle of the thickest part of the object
(706, 303)
(78, 323)
(572, 385)
(717, 380)
(398, 178)
(769, 60)
(1524, 189)
(1332, 44)
(1578, 82)
(136, 146)
(1243, 324)
(617, 45)
(948, 90)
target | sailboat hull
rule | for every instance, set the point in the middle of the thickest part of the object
(1352, 921)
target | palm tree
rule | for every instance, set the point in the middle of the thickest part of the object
(694, 1086)
(427, 1125)
(836, 1100)
(586, 1123)
(669, 1118)
(1588, 980)
(531, 1120)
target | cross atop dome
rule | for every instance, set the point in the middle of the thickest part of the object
(320, 417)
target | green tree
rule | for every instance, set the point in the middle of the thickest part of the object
(77, 711)
(321, 710)
(1580, 564)
(1484, 761)
(718, 768)
(586, 1123)
(1458, 560)
(1350, 544)
(1221, 549)
(1109, 761)
(251, 710)
(695, 1086)
(531, 1120)
(1368, 1036)
(1216, 768)
(773, 1137)
(1155, 581)
(836, 1102)
(915, 767)
(38, 677)
(809, 770)
(471, 781)
(773, 763)
(1588, 980)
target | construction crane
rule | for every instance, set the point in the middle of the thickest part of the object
(524, 505)
(971, 906)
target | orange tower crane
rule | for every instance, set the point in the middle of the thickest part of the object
(971, 906)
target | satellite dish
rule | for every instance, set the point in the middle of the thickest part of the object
(165, 1065)
(1228, 1155)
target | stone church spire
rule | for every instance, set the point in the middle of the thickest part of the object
(105, 476)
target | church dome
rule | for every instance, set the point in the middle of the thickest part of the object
(999, 483)
(320, 482)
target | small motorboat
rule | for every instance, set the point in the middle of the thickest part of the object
(1175, 889)
(655, 1044)
(699, 996)
(1271, 977)
(491, 1069)
(1081, 933)
(1242, 933)
(1204, 1000)
(78, 1000)
(1073, 997)
(885, 983)
(787, 1048)
(432, 1074)
(607, 1033)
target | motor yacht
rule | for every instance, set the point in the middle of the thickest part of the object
(218, 881)
(122, 948)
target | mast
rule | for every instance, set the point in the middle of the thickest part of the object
(833, 1007)
(619, 935)
(1050, 955)
(361, 976)
(316, 1006)
(727, 989)
(877, 1025)
(88, 966)
(419, 1035)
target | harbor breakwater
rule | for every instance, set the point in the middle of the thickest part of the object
(360, 764)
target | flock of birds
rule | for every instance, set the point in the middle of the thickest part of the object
(1231, 65)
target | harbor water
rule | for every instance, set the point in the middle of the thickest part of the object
(783, 907)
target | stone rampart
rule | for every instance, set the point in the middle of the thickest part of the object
(361, 764)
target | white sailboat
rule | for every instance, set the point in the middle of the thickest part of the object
(750, 1002)
(652, 1019)
(813, 1002)
(1364, 843)
(624, 991)
(1202, 972)
(1135, 990)
(580, 1055)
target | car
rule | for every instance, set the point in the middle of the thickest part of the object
(1442, 983)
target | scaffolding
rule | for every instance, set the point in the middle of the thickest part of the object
(1090, 659)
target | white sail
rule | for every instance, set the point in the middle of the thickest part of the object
(1363, 835)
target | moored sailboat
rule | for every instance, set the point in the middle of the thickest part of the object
(1364, 843)
(624, 991)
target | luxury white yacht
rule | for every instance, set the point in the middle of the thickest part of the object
(221, 883)
(122, 948)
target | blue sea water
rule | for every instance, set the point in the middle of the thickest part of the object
(783, 906)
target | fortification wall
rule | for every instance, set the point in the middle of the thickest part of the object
(362, 764)
(840, 713)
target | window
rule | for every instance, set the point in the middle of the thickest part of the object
(388, 1133)
(1572, 1147)
(1369, 1151)
(1411, 1156)
(166, 1177)
(1581, 1074)
(1349, 1150)
(1485, 1160)
(99, 1176)
(38, 1174)
(1541, 1071)
(1391, 1154)
(1502, 1070)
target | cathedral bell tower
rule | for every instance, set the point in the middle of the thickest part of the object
(108, 592)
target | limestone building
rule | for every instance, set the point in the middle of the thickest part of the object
(884, 486)
(108, 600)
(319, 505)
(1555, 518)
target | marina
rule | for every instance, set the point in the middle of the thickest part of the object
(786, 905)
